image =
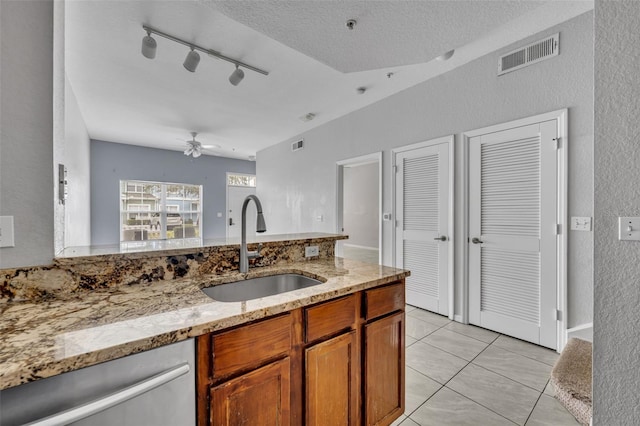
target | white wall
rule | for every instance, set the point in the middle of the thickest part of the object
(26, 128)
(360, 205)
(77, 224)
(296, 187)
(616, 374)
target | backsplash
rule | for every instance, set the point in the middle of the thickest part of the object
(75, 275)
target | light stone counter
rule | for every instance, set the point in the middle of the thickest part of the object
(45, 336)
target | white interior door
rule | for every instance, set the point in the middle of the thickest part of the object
(513, 196)
(422, 228)
(235, 198)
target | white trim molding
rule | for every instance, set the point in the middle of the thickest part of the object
(561, 117)
(450, 141)
(375, 157)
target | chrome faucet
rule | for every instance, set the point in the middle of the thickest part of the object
(260, 227)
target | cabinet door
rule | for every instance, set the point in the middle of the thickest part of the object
(332, 382)
(260, 397)
(384, 370)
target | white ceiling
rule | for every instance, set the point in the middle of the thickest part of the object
(315, 63)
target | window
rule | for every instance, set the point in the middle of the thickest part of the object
(159, 211)
(234, 179)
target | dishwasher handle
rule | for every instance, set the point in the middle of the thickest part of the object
(101, 404)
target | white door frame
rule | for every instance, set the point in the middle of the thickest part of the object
(561, 214)
(355, 161)
(226, 206)
(450, 141)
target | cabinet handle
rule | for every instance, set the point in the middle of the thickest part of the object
(77, 413)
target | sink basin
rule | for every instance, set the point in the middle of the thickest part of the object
(254, 288)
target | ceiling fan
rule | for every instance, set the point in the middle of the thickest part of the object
(195, 148)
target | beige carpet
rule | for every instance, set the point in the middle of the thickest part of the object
(571, 379)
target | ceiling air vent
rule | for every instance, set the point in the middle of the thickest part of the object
(296, 146)
(535, 52)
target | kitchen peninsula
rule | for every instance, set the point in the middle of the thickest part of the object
(86, 310)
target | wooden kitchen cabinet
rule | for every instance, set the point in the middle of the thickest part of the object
(332, 376)
(384, 349)
(339, 362)
(260, 397)
(384, 370)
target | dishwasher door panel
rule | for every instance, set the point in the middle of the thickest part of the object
(171, 403)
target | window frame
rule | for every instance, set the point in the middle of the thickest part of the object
(154, 218)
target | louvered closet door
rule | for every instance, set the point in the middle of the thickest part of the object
(422, 200)
(512, 228)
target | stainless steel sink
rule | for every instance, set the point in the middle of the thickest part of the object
(254, 288)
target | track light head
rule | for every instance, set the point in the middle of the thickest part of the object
(149, 46)
(236, 76)
(191, 61)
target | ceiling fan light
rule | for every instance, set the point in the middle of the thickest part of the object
(149, 46)
(236, 76)
(188, 151)
(191, 61)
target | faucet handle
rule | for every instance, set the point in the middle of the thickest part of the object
(255, 254)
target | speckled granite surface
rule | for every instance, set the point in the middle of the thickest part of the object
(74, 329)
(99, 267)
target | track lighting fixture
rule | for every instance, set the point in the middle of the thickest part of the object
(193, 58)
(149, 46)
(236, 76)
(191, 61)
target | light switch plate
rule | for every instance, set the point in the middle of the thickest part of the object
(581, 223)
(311, 251)
(6, 231)
(629, 228)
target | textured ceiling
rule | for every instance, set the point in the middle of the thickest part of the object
(305, 45)
(387, 33)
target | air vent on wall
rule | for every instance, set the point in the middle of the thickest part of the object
(296, 146)
(530, 54)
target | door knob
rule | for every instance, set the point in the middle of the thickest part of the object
(476, 240)
(442, 238)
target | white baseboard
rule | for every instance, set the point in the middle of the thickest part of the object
(360, 247)
(457, 318)
(583, 331)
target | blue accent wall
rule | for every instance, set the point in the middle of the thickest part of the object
(112, 162)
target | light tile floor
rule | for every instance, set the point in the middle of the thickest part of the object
(459, 374)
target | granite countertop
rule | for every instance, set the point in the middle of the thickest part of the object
(153, 248)
(42, 338)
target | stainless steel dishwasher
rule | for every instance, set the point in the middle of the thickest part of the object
(156, 387)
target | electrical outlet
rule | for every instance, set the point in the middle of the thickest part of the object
(6, 231)
(311, 251)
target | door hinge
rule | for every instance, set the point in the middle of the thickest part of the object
(557, 143)
(395, 169)
(558, 314)
(397, 223)
(558, 229)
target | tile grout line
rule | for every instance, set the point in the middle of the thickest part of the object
(535, 405)
(488, 344)
(476, 402)
(464, 396)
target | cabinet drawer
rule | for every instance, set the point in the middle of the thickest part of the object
(383, 300)
(327, 318)
(251, 345)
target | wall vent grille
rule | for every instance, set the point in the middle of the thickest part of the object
(296, 146)
(530, 54)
